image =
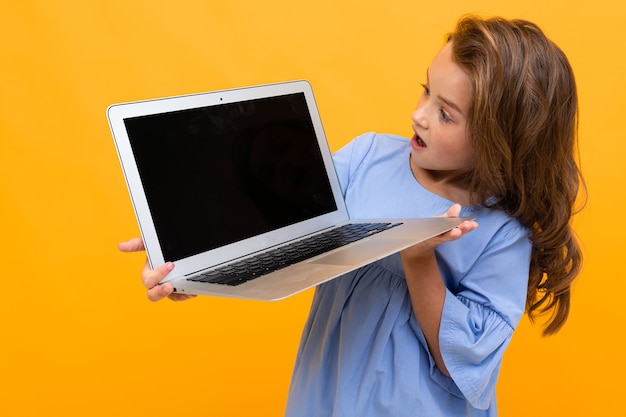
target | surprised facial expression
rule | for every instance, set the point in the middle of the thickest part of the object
(440, 145)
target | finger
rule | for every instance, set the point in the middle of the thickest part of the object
(454, 210)
(158, 292)
(462, 229)
(181, 297)
(166, 290)
(132, 245)
(467, 226)
(152, 277)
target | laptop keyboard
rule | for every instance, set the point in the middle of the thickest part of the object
(250, 268)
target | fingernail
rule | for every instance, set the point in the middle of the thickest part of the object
(169, 266)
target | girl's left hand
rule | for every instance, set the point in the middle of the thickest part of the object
(426, 248)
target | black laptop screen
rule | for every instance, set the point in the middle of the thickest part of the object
(219, 174)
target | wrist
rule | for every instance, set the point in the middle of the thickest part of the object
(414, 255)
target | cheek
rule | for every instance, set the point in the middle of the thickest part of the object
(460, 148)
(466, 155)
(468, 160)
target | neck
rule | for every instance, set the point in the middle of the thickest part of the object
(442, 183)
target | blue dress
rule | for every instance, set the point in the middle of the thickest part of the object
(362, 352)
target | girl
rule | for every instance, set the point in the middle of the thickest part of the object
(422, 333)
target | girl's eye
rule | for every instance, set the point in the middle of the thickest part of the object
(445, 117)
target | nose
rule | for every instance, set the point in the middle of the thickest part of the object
(419, 116)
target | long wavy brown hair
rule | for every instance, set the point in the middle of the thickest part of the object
(523, 125)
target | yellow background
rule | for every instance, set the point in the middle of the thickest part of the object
(78, 335)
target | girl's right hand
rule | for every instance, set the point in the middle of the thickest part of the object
(426, 248)
(152, 277)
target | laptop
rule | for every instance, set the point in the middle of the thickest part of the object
(238, 189)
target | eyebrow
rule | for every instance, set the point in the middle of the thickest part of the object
(445, 100)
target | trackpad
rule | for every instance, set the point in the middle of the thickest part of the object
(363, 252)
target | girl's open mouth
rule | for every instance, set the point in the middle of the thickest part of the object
(418, 141)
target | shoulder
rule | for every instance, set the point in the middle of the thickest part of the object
(501, 225)
(373, 140)
(496, 228)
(372, 145)
(498, 236)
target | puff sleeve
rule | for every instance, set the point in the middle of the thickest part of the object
(484, 302)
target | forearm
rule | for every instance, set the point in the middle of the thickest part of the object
(427, 292)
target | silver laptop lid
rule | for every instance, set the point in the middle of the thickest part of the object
(219, 175)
